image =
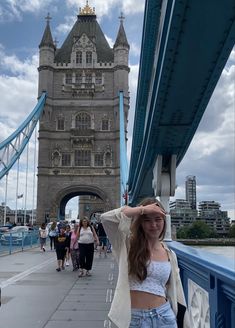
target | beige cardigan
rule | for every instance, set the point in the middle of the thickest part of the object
(117, 227)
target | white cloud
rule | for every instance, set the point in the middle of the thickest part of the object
(18, 98)
(18, 89)
(133, 6)
(134, 49)
(110, 41)
(104, 8)
(211, 155)
(65, 27)
(133, 79)
(12, 10)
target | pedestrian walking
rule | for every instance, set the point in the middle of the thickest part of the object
(102, 239)
(74, 248)
(86, 238)
(43, 236)
(149, 292)
(53, 232)
(61, 246)
(68, 234)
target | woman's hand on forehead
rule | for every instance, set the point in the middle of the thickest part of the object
(154, 210)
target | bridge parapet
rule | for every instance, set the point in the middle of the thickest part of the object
(209, 284)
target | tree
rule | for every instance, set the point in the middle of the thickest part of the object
(231, 233)
(197, 230)
(182, 233)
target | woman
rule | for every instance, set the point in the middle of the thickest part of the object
(74, 249)
(53, 232)
(61, 246)
(86, 238)
(149, 291)
(68, 234)
(43, 236)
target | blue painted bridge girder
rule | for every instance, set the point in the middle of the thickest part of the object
(185, 46)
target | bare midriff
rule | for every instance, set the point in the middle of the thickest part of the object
(145, 301)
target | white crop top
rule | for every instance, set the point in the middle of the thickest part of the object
(86, 236)
(157, 276)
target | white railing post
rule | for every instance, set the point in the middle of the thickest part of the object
(164, 187)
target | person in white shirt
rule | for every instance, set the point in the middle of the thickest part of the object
(86, 238)
(149, 292)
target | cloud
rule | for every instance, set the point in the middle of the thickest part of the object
(12, 10)
(221, 105)
(105, 8)
(133, 6)
(134, 49)
(18, 89)
(133, 78)
(18, 98)
(211, 155)
(110, 41)
(65, 27)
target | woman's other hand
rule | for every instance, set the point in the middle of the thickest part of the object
(150, 210)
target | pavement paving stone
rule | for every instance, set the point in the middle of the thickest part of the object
(79, 305)
(79, 324)
(53, 299)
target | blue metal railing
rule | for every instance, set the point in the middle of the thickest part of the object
(214, 275)
(123, 152)
(13, 146)
(9, 243)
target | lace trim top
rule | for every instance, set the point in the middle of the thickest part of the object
(86, 236)
(158, 274)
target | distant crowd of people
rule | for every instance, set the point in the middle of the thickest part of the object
(77, 243)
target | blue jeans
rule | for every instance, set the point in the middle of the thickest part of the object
(159, 317)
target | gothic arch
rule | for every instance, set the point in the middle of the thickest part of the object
(86, 119)
(64, 195)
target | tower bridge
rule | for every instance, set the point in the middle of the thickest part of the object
(79, 135)
(82, 131)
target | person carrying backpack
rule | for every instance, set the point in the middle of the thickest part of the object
(53, 232)
(43, 236)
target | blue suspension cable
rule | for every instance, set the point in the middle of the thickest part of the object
(124, 167)
(13, 146)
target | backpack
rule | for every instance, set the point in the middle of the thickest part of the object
(43, 233)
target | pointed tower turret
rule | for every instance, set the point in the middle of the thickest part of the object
(46, 58)
(121, 57)
(47, 40)
(121, 40)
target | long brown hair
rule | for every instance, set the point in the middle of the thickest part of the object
(139, 253)
(85, 218)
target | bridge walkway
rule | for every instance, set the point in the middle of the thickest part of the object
(34, 295)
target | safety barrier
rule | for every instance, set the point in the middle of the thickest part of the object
(209, 284)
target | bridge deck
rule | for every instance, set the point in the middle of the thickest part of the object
(35, 295)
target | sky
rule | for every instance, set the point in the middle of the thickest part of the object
(211, 154)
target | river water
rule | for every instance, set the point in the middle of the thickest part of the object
(227, 251)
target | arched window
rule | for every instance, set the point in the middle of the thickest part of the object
(105, 124)
(78, 78)
(82, 157)
(99, 159)
(98, 78)
(83, 121)
(68, 78)
(88, 78)
(78, 57)
(88, 57)
(60, 123)
(66, 159)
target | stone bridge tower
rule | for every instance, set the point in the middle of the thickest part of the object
(79, 137)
